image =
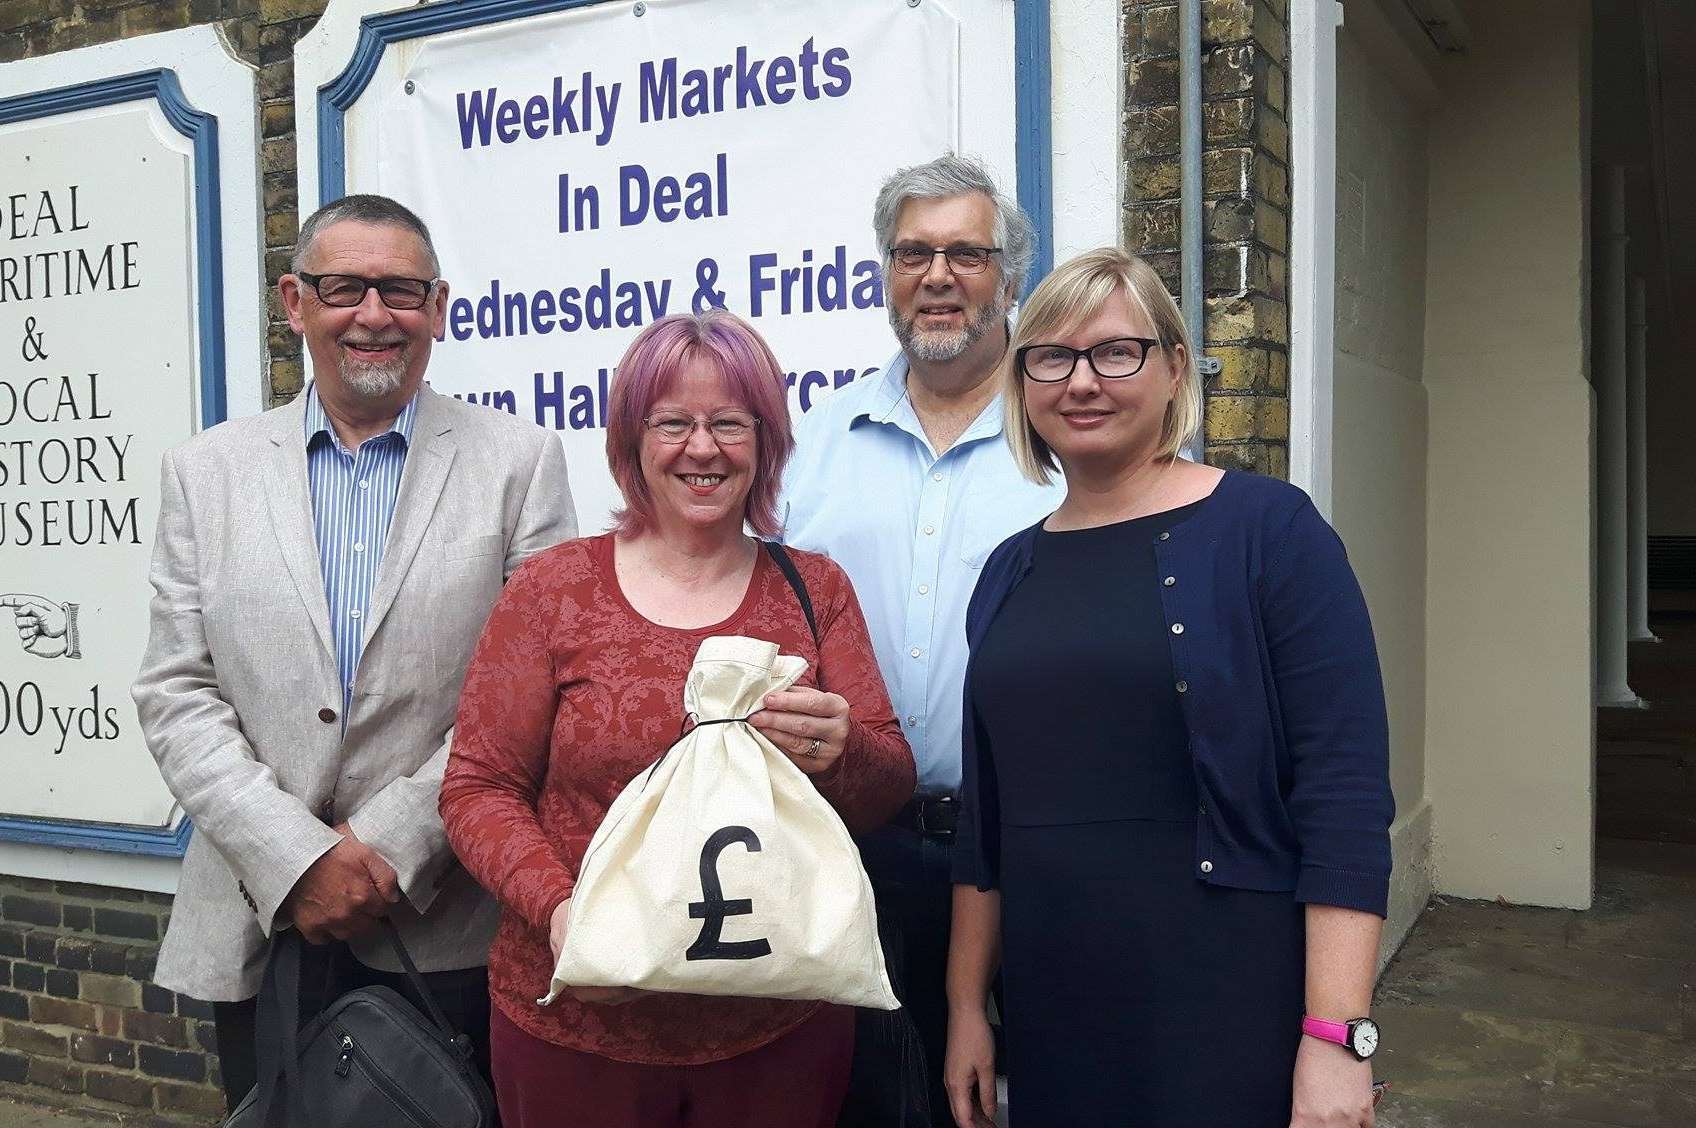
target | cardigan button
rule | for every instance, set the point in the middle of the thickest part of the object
(328, 716)
(1207, 867)
(1169, 580)
(1165, 536)
(1177, 628)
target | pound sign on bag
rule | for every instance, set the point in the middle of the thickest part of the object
(712, 908)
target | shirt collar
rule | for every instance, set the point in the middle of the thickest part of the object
(888, 403)
(318, 421)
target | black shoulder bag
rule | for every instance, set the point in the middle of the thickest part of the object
(887, 1085)
(370, 1059)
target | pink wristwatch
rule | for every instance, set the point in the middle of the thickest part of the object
(1359, 1036)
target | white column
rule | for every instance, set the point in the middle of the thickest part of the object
(1637, 469)
(1611, 379)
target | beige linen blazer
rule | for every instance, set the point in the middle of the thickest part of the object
(240, 701)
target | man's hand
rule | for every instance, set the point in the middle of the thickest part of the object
(344, 893)
(42, 624)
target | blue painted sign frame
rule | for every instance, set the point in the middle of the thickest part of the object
(202, 129)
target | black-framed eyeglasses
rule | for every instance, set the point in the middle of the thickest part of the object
(961, 259)
(727, 427)
(343, 290)
(1112, 359)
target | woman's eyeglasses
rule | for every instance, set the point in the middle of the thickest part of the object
(1112, 360)
(727, 427)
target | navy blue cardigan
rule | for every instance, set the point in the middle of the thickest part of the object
(1278, 678)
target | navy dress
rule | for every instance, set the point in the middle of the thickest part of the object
(1135, 995)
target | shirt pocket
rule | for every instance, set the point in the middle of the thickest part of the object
(469, 548)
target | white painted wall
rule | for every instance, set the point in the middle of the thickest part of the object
(1509, 732)
(1378, 434)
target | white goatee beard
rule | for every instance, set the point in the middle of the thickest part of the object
(373, 381)
(942, 345)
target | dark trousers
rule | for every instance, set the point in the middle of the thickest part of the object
(794, 1082)
(327, 973)
(912, 876)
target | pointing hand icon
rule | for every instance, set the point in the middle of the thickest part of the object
(46, 629)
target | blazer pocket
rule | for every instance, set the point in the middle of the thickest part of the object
(471, 547)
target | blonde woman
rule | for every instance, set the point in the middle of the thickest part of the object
(1174, 836)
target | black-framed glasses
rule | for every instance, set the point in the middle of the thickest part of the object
(345, 290)
(961, 259)
(1112, 359)
(727, 427)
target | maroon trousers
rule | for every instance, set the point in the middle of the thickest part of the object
(797, 1081)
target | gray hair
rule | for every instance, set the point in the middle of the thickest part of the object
(376, 210)
(951, 175)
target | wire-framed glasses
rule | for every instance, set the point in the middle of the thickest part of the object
(961, 259)
(727, 427)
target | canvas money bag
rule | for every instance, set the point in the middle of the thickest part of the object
(721, 870)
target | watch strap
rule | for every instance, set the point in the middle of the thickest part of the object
(1337, 1032)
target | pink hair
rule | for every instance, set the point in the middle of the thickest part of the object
(650, 369)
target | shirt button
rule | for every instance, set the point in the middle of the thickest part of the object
(1163, 536)
(936, 477)
(930, 530)
(1169, 580)
(911, 721)
(363, 484)
(1177, 628)
(359, 546)
(1207, 867)
(328, 716)
(924, 589)
(354, 613)
(1183, 687)
(915, 652)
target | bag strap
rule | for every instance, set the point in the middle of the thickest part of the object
(786, 564)
(459, 1040)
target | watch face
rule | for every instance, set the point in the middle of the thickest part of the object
(1363, 1038)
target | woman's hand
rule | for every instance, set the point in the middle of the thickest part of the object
(968, 1070)
(1332, 1089)
(808, 726)
(605, 996)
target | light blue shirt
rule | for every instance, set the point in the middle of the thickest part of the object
(911, 529)
(353, 503)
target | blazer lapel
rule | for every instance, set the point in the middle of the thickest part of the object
(291, 516)
(421, 485)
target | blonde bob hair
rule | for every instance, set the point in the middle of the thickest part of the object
(1074, 293)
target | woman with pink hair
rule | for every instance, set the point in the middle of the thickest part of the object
(576, 687)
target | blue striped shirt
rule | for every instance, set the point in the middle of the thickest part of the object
(353, 502)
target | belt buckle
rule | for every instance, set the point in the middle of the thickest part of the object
(927, 803)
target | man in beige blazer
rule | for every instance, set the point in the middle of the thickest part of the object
(321, 574)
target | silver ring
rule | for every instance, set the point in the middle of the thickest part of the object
(813, 748)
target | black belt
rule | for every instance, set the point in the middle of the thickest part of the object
(934, 816)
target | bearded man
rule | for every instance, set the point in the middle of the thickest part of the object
(321, 574)
(904, 479)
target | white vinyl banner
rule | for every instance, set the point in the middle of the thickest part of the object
(589, 171)
(97, 329)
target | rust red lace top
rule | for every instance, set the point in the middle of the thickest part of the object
(570, 693)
